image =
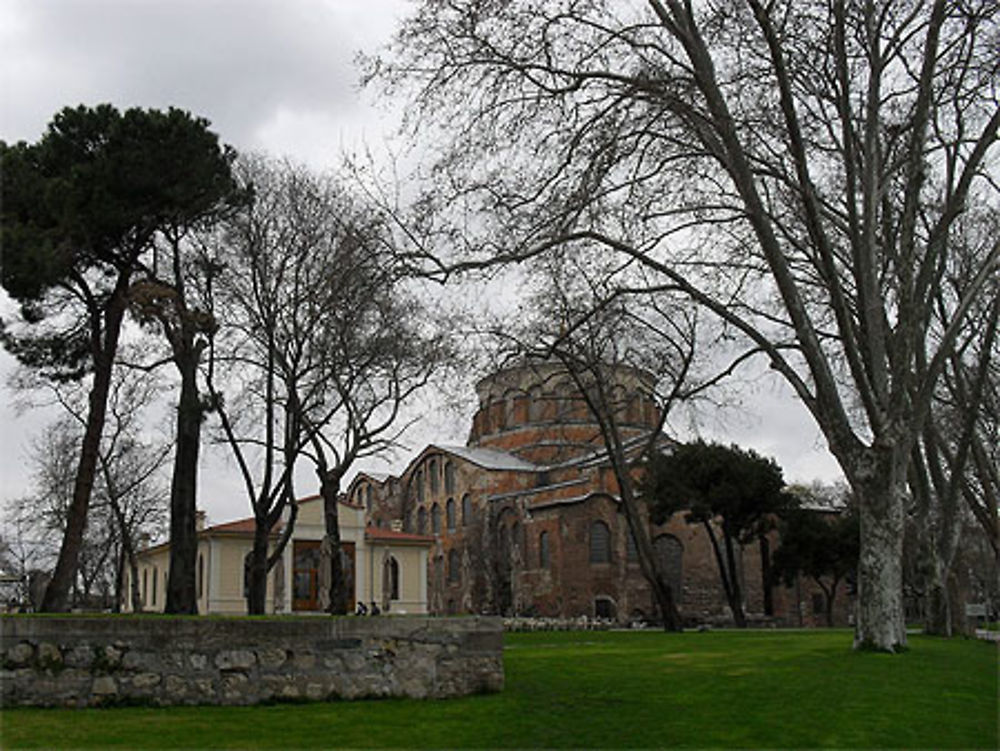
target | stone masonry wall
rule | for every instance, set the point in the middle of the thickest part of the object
(81, 661)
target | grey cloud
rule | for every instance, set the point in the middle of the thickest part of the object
(233, 62)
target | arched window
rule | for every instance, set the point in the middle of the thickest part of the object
(449, 478)
(543, 550)
(155, 577)
(454, 567)
(439, 571)
(600, 539)
(201, 576)
(432, 471)
(535, 404)
(450, 514)
(604, 607)
(390, 578)
(631, 550)
(422, 521)
(436, 519)
(368, 498)
(145, 586)
(419, 480)
(466, 510)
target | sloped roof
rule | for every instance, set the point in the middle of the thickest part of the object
(240, 527)
(490, 458)
(376, 476)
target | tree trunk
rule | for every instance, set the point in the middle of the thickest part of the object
(735, 593)
(830, 596)
(937, 619)
(727, 584)
(958, 596)
(57, 593)
(336, 596)
(257, 573)
(182, 593)
(765, 575)
(663, 593)
(880, 487)
(133, 568)
(127, 556)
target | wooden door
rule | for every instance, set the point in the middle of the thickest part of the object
(305, 574)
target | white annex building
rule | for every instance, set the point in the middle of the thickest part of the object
(385, 566)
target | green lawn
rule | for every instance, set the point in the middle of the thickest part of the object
(587, 689)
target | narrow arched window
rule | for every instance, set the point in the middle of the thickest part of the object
(155, 577)
(600, 538)
(145, 586)
(454, 567)
(390, 580)
(466, 510)
(422, 521)
(432, 472)
(419, 480)
(449, 478)
(543, 550)
(450, 514)
(368, 498)
(436, 519)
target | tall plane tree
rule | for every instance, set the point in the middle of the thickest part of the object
(80, 208)
(796, 168)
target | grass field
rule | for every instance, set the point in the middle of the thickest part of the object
(610, 690)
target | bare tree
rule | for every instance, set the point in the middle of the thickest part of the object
(795, 168)
(130, 481)
(585, 317)
(28, 549)
(949, 485)
(128, 496)
(332, 344)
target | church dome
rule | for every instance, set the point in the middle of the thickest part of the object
(539, 413)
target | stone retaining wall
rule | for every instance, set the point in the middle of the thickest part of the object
(92, 661)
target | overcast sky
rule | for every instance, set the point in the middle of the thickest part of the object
(274, 76)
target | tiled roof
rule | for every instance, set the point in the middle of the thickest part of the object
(240, 526)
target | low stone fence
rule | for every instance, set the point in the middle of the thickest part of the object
(93, 661)
(582, 623)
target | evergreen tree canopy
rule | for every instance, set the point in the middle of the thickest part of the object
(817, 546)
(81, 206)
(709, 481)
